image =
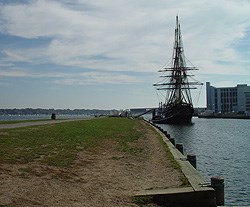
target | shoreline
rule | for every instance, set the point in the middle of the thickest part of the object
(197, 194)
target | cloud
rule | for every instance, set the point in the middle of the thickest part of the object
(79, 78)
(212, 37)
(127, 35)
(19, 72)
(40, 19)
(27, 55)
(64, 43)
(95, 78)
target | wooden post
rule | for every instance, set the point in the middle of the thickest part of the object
(153, 114)
(217, 183)
(172, 140)
(166, 134)
(53, 116)
(180, 148)
(192, 160)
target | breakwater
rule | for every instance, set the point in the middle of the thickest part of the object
(222, 148)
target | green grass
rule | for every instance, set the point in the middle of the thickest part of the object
(168, 153)
(58, 144)
(143, 200)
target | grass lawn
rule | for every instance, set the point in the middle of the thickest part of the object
(84, 163)
(58, 144)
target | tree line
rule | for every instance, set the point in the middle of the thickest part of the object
(31, 111)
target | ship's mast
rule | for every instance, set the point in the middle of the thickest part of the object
(178, 85)
(178, 64)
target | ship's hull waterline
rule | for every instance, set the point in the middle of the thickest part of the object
(176, 115)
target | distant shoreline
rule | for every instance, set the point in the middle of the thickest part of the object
(40, 111)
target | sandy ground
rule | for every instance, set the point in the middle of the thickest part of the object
(102, 176)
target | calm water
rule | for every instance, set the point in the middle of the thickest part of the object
(222, 147)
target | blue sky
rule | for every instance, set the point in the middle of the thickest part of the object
(105, 54)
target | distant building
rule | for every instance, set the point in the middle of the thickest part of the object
(226, 100)
(114, 113)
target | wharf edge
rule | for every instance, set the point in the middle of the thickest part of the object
(199, 193)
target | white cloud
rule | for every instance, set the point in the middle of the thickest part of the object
(93, 78)
(119, 35)
(80, 78)
(41, 18)
(19, 72)
(212, 37)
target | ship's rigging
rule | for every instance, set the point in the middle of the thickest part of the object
(176, 81)
(177, 106)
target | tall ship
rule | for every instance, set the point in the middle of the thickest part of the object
(177, 107)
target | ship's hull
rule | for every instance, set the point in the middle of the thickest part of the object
(178, 114)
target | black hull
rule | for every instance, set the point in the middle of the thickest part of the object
(180, 114)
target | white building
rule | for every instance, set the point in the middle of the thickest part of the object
(228, 99)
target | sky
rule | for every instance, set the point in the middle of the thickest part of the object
(105, 54)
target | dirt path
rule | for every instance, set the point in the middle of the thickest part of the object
(101, 177)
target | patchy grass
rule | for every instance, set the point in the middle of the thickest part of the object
(143, 200)
(58, 144)
(175, 164)
(26, 171)
(185, 182)
(169, 154)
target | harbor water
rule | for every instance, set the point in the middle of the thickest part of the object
(222, 147)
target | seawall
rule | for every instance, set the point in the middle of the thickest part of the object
(197, 194)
